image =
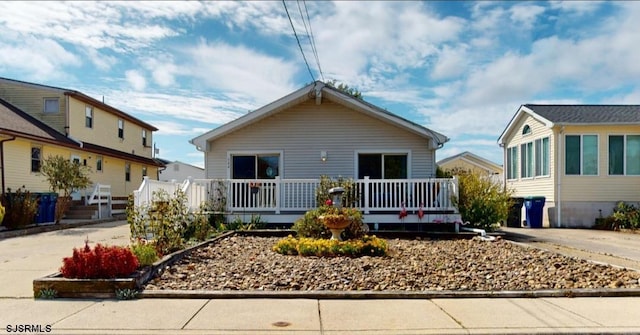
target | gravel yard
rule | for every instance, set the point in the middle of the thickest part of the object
(248, 263)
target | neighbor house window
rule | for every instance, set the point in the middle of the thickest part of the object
(51, 105)
(262, 166)
(581, 155)
(36, 158)
(382, 166)
(526, 129)
(120, 128)
(624, 155)
(512, 163)
(144, 137)
(99, 163)
(127, 171)
(542, 157)
(88, 117)
(144, 171)
(526, 160)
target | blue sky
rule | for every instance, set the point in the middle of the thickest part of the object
(460, 68)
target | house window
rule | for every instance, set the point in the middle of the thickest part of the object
(127, 171)
(36, 158)
(624, 155)
(542, 157)
(88, 117)
(382, 166)
(526, 160)
(144, 171)
(51, 105)
(526, 129)
(121, 128)
(264, 166)
(99, 163)
(512, 163)
(581, 155)
(144, 137)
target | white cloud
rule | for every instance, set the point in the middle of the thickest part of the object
(451, 63)
(136, 80)
(576, 7)
(525, 15)
(28, 57)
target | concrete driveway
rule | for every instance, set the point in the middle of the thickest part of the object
(616, 248)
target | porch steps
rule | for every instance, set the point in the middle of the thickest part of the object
(78, 210)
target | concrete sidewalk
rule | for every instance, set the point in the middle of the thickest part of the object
(25, 258)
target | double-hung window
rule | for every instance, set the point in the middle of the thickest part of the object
(121, 128)
(144, 137)
(88, 117)
(581, 155)
(36, 158)
(526, 160)
(624, 155)
(542, 156)
(127, 171)
(51, 105)
(99, 163)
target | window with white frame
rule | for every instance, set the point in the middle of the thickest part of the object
(624, 155)
(144, 137)
(541, 148)
(258, 166)
(526, 160)
(121, 128)
(99, 163)
(581, 155)
(512, 163)
(36, 158)
(382, 166)
(51, 105)
(88, 117)
(144, 171)
(127, 171)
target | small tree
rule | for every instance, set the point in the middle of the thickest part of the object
(345, 89)
(482, 201)
(64, 176)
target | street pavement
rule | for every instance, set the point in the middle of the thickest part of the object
(25, 258)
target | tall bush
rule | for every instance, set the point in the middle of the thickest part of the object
(481, 201)
(64, 176)
(20, 208)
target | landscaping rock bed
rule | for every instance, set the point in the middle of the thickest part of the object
(248, 263)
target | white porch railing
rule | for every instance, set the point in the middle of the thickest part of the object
(295, 195)
(101, 195)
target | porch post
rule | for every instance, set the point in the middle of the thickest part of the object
(366, 194)
(277, 194)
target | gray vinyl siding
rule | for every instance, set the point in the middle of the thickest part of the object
(30, 99)
(305, 130)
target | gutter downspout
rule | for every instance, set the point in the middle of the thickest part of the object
(560, 151)
(2, 158)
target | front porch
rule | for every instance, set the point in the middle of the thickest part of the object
(280, 202)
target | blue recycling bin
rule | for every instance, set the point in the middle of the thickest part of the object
(51, 208)
(534, 207)
(43, 207)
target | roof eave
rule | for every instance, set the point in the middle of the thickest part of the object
(522, 110)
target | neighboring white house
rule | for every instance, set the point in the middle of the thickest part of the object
(471, 162)
(582, 158)
(179, 171)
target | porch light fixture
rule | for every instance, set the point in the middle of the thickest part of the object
(323, 156)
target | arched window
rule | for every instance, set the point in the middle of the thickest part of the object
(526, 129)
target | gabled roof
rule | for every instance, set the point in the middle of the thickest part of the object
(167, 162)
(318, 90)
(465, 155)
(16, 123)
(552, 115)
(86, 99)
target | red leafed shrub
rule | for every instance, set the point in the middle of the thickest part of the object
(100, 262)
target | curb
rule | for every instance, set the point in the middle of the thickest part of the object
(188, 294)
(51, 227)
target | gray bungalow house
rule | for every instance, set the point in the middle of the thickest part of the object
(281, 150)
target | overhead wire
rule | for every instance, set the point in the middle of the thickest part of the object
(312, 40)
(298, 39)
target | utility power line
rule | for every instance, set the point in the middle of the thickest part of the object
(298, 39)
(309, 32)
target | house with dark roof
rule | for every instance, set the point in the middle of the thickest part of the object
(285, 146)
(583, 159)
(37, 121)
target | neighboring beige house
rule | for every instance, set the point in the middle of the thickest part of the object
(179, 171)
(471, 162)
(582, 158)
(279, 151)
(39, 121)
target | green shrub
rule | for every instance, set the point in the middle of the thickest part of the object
(146, 253)
(365, 246)
(20, 208)
(626, 216)
(309, 225)
(481, 201)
